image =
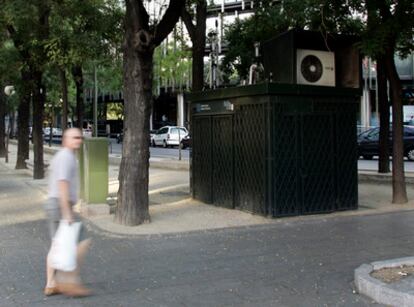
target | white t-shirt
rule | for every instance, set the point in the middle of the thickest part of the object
(64, 166)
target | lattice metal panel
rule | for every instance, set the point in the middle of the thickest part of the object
(286, 182)
(250, 153)
(346, 158)
(201, 155)
(318, 168)
(344, 111)
(223, 160)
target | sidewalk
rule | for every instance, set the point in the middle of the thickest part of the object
(283, 262)
(172, 210)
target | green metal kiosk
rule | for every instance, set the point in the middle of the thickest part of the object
(277, 149)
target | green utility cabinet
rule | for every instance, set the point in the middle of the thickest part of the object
(275, 149)
(93, 160)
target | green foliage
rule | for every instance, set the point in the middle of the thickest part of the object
(110, 76)
(22, 17)
(84, 30)
(398, 29)
(175, 65)
(81, 32)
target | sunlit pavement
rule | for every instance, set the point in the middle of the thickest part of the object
(292, 262)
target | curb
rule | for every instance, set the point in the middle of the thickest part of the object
(373, 176)
(379, 291)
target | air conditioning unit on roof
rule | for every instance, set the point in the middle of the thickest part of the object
(314, 67)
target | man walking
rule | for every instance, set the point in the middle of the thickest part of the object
(63, 195)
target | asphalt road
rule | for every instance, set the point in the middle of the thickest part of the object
(300, 262)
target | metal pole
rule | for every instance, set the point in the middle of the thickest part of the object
(95, 104)
(179, 144)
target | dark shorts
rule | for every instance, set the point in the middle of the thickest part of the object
(53, 217)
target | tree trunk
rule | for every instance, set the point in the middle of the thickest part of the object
(12, 119)
(23, 123)
(138, 49)
(199, 45)
(38, 110)
(198, 38)
(198, 64)
(384, 110)
(2, 124)
(64, 85)
(132, 202)
(78, 78)
(398, 180)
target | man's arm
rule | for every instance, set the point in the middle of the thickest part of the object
(65, 206)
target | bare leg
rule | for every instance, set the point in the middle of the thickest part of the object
(50, 273)
(50, 288)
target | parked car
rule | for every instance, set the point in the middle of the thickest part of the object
(169, 136)
(186, 142)
(368, 143)
(152, 133)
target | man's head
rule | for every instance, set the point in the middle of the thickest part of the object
(72, 138)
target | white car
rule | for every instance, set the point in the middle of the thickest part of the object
(169, 136)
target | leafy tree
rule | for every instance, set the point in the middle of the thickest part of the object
(82, 31)
(27, 24)
(141, 39)
(8, 76)
(390, 30)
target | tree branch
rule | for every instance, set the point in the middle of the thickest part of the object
(188, 21)
(18, 43)
(168, 21)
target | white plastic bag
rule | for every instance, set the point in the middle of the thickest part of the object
(63, 252)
